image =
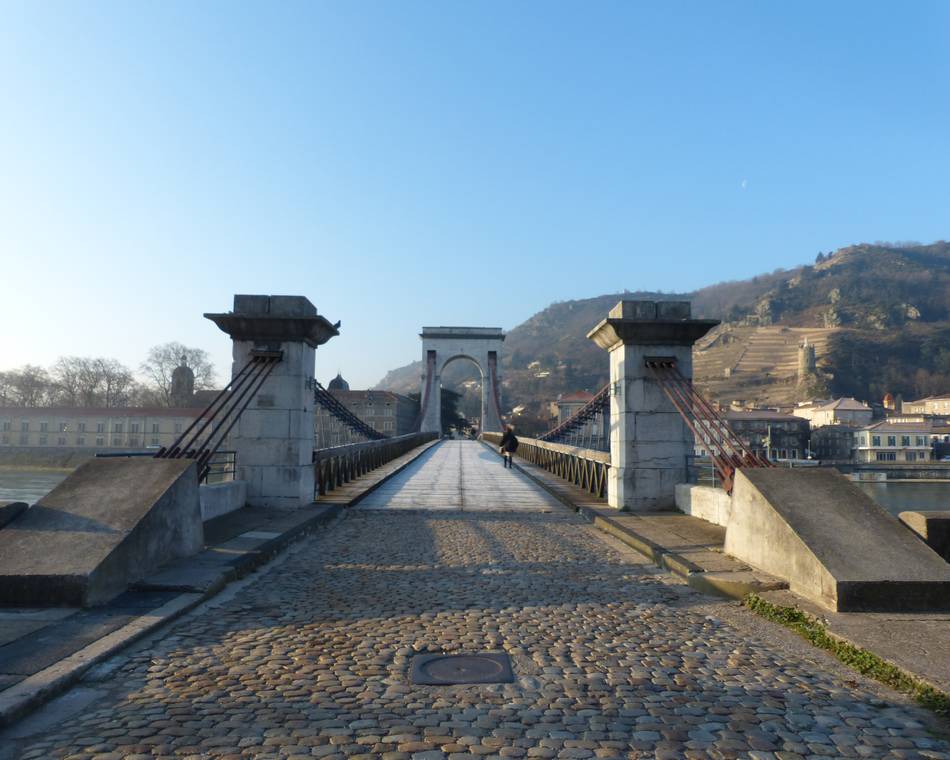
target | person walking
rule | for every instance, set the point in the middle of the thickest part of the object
(509, 445)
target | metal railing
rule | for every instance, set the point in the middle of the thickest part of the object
(584, 468)
(221, 467)
(588, 427)
(338, 465)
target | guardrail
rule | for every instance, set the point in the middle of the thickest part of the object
(337, 465)
(585, 468)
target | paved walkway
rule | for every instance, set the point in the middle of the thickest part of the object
(613, 658)
(461, 475)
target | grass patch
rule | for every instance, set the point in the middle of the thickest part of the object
(862, 660)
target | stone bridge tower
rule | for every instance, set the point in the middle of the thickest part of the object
(443, 345)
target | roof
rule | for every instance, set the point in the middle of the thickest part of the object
(583, 396)
(370, 396)
(101, 411)
(762, 414)
(942, 397)
(338, 383)
(845, 404)
(886, 426)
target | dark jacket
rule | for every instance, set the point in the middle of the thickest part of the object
(509, 442)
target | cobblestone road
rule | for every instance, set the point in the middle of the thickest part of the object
(613, 659)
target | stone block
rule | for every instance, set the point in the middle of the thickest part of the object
(705, 502)
(220, 498)
(633, 310)
(251, 305)
(110, 523)
(673, 310)
(269, 452)
(258, 424)
(287, 482)
(933, 527)
(832, 543)
(292, 306)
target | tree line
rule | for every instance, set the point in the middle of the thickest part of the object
(85, 381)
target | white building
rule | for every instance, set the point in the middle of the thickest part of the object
(894, 442)
(839, 411)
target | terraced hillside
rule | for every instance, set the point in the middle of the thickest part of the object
(755, 363)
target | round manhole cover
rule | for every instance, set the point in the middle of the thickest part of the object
(436, 669)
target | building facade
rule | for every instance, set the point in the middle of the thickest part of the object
(126, 428)
(774, 434)
(840, 411)
(894, 442)
(936, 405)
(389, 413)
(833, 443)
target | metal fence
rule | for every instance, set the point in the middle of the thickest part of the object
(338, 465)
(585, 468)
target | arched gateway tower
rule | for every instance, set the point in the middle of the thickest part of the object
(480, 345)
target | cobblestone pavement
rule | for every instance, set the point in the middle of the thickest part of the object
(462, 475)
(613, 658)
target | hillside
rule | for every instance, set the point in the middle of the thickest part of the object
(878, 315)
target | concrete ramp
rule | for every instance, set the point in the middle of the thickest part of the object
(832, 542)
(107, 525)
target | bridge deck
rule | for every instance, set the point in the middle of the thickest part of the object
(462, 475)
(612, 657)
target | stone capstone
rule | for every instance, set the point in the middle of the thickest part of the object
(110, 523)
(832, 542)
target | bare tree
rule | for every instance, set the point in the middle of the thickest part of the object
(163, 359)
(30, 386)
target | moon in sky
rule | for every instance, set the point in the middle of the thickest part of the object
(744, 184)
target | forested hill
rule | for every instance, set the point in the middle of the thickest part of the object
(884, 309)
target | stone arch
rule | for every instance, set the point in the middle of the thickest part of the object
(443, 345)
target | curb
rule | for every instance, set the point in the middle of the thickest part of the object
(37, 689)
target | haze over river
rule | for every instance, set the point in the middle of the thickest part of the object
(896, 496)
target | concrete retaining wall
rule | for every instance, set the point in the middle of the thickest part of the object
(221, 498)
(705, 502)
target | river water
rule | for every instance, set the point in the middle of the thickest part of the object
(28, 485)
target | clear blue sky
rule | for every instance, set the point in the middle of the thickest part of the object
(406, 163)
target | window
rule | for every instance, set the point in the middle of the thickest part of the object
(116, 441)
(24, 427)
(6, 426)
(892, 440)
(44, 427)
(794, 453)
(177, 427)
(24, 439)
(81, 427)
(921, 441)
(388, 411)
(100, 427)
(155, 440)
(133, 440)
(388, 425)
(905, 440)
(154, 427)
(80, 441)
(61, 441)
(62, 427)
(886, 456)
(100, 441)
(876, 440)
(42, 440)
(910, 456)
(5, 439)
(117, 427)
(134, 427)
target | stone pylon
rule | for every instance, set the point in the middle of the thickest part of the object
(650, 443)
(274, 438)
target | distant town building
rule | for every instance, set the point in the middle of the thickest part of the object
(568, 404)
(774, 434)
(128, 428)
(841, 411)
(389, 413)
(891, 441)
(834, 443)
(890, 403)
(930, 405)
